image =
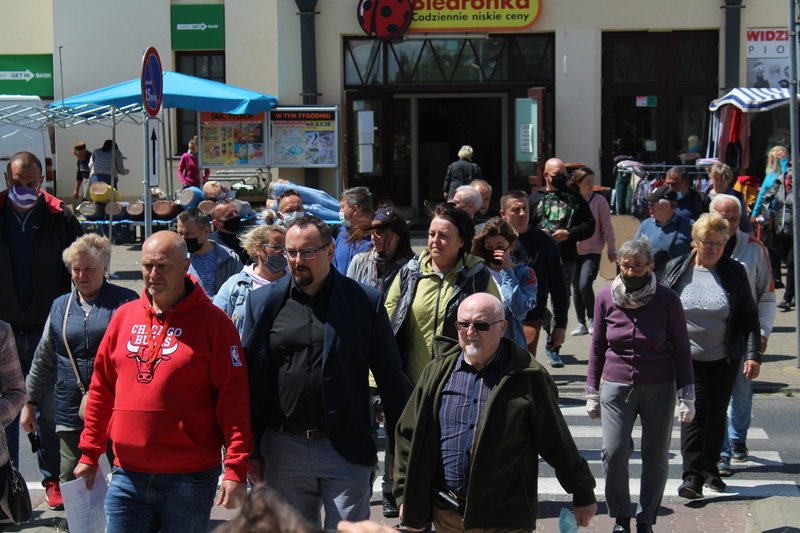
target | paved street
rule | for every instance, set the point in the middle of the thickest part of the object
(773, 471)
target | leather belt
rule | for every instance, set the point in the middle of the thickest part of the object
(309, 434)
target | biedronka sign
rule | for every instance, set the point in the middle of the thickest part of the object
(472, 15)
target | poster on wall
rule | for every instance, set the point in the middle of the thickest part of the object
(232, 140)
(768, 58)
(304, 137)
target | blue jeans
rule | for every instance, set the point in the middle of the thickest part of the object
(739, 412)
(49, 456)
(315, 202)
(311, 474)
(172, 503)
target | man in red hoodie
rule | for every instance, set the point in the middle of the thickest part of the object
(170, 370)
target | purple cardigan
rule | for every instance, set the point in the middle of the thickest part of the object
(644, 346)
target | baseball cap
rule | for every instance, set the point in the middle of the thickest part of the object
(662, 193)
(79, 146)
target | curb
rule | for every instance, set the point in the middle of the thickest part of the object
(777, 513)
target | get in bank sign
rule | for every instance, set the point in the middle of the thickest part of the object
(472, 15)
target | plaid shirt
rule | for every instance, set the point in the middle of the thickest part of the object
(12, 385)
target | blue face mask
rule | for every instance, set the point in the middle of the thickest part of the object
(343, 220)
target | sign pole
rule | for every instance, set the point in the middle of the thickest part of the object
(147, 195)
(793, 42)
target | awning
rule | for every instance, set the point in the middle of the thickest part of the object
(751, 99)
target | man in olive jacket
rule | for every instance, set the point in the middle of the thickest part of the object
(468, 441)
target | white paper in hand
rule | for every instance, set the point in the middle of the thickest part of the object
(84, 507)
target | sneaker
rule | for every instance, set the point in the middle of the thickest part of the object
(786, 306)
(52, 492)
(390, 509)
(643, 528)
(555, 359)
(724, 466)
(691, 488)
(622, 525)
(581, 329)
(739, 452)
(715, 483)
(590, 322)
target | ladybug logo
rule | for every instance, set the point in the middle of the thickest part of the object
(385, 19)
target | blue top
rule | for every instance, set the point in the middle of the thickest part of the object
(345, 251)
(662, 237)
(204, 266)
(518, 288)
(464, 398)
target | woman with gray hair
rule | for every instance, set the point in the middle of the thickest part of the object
(73, 331)
(721, 176)
(640, 348)
(264, 245)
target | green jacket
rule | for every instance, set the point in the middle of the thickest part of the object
(521, 421)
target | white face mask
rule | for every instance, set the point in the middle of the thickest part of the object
(290, 217)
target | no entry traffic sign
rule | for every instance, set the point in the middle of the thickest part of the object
(152, 82)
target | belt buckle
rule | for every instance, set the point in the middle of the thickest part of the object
(309, 434)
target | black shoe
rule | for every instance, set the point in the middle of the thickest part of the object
(623, 525)
(715, 483)
(390, 509)
(786, 306)
(739, 452)
(724, 466)
(643, 528)
(691, 488)
(779, 284)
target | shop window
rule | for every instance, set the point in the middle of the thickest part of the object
(208, 65)
(634, 61)
(519, 58)
(696, 60)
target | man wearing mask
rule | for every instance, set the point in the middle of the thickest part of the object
(210, 262)
(290, 207)
(227, 225)
(37, 227)
(355, 214)
(564, 214)
(690, 201)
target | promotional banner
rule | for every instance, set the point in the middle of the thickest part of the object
(306, 137)
(472, 15)
(232, 140)
(767, 52)
(197, 26)
(30, 74)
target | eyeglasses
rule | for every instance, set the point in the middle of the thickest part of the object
(308, 254)
(463, 325)
(712, 244)
(636, 267)
(274, 247)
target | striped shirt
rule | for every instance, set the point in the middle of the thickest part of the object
(461, 412)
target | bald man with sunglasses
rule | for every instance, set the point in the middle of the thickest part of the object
(466, 455)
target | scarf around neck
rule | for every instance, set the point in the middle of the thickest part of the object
(632, 300)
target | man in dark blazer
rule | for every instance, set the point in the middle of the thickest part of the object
(310, 340)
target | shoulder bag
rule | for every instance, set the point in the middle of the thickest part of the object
(81, 386)
(16, 501)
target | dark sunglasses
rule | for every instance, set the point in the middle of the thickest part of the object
(463, 325)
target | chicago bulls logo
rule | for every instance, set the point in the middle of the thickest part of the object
(146, 363)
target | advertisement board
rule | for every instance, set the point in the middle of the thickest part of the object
(29, 74)
(767, 52)
(232, 140)
(197, 26)
(304, 137)
(473, 15)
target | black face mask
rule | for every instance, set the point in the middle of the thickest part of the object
(634, 283)
(559, 181)
(232, 224)
(192, 245)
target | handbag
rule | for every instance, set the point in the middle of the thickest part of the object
(16, 501)
(81, 386)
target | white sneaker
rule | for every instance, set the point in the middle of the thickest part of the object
(580, 330)
(591, 326)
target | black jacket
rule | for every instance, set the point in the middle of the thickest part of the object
(521, 421)
(743, 332)
(565, 209)
(537, 249)
(459, 173)
(58, 229)
(358, 338)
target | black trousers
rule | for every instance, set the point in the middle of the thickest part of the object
(785, 246)
(701, 439)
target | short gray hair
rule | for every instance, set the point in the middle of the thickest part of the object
(478, 182)
(89, 244)
(358, 196)
(719, 198)
(636, 248)
(470, 195)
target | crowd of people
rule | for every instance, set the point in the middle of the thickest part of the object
(266, 354)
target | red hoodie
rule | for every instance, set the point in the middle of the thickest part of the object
(175, 414)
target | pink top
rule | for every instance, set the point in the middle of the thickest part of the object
(603, 231)
(189, 171)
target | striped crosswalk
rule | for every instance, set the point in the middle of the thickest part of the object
(752, 478)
